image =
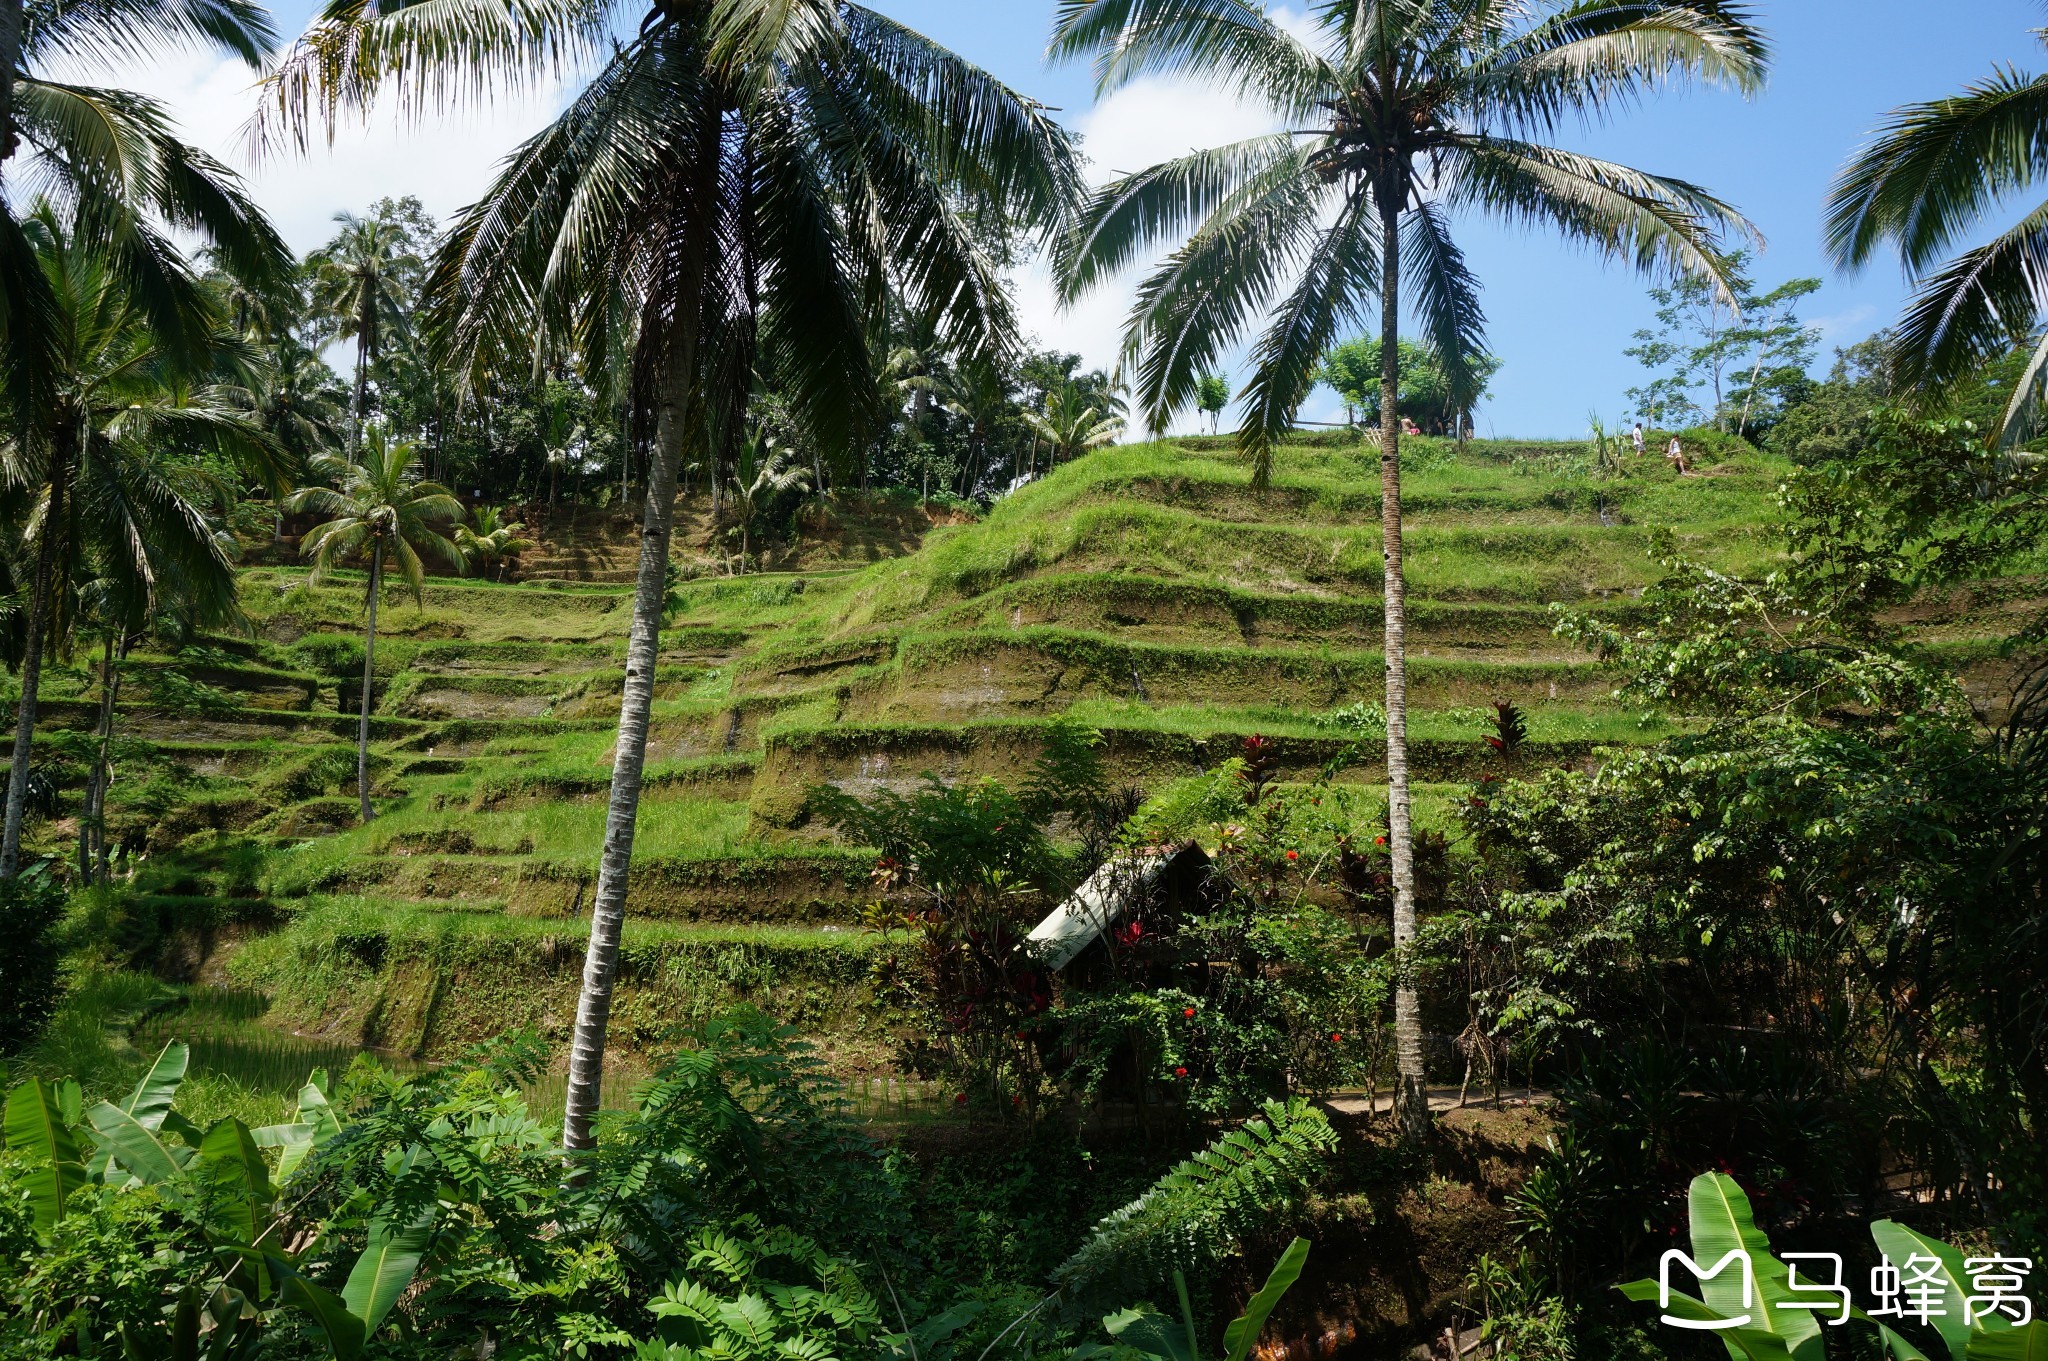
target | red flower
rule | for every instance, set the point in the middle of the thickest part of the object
(1336, 1037)
(1016, 1100)
(1294, 855)
(960, 1099)
(1180, 1072)
(1379, 841)
(1187, 1011)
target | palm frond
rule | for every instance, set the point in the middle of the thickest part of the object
(1342, 272)
(1188, 310)
(1132, 214)
(1932, 169)
(427, 55)
(1233, 41)
(114, 32)
(979, 136)
(1979, 305)
(1446, 296)
(1596, 55)
(1652, 222)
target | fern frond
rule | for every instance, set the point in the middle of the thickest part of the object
(1198, 1211)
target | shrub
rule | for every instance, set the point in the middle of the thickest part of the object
(31, 905)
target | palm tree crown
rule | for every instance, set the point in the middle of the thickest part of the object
(1922, 184)
(379, 511)
(361, 285)
(112, 157)
(1071, 425)
(1400, 116)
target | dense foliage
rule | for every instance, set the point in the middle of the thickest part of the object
(734, 1211)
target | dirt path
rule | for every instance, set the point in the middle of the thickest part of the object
(1440, 1099)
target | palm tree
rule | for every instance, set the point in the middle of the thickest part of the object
(976, 394)
(112, 158)
(103, 471)
(1071, 425)
(378, 511)
(362, 288)
(762, 474)
(1923, 183)
(734, 180)
(1399, 115)
(489, 539)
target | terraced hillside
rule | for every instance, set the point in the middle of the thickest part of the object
(1145, 590)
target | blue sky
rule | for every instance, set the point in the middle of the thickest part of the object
(1558, 319)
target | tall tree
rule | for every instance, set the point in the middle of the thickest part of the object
(379, 511)
(1924, 182)
(1400, 115)
(104, 496)
(362, 285)
(737, 179)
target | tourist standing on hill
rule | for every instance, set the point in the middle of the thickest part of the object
(1676, 453)
(1636, 438)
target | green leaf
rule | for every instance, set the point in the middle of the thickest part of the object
(125, 1140)
(1900, 1244)
(314, 1109)
(293, 1141)
(1149, 1331)
(1747, 1342)
(2027, 1343)
(1721, 1224)
(1245, 1329)
(151, 1100)
(343, 1331)
(385, 1269)
(36, 1126)
(235, 1182)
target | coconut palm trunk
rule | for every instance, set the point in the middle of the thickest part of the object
(10, 62)
(92, 839)
(47, 554)
(1411, 1097)
(369, 675)
(674, 431)
(361, 409)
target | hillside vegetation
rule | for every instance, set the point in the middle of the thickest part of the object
(1145, 590)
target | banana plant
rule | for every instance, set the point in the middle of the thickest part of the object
(220, 1179)
(1762, 1314)
(1149, 1333)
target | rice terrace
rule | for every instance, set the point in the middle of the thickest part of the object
(783, 681)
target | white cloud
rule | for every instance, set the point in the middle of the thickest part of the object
(445, 161)
(1146, 122)
(1852, 324)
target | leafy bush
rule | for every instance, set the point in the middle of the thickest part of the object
(175, 692)
(31, 904)
(330, 654)
(429, 1215)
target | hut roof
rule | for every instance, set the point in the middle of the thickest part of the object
(1107, 896)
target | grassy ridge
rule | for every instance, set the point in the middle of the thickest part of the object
(1145, 590)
